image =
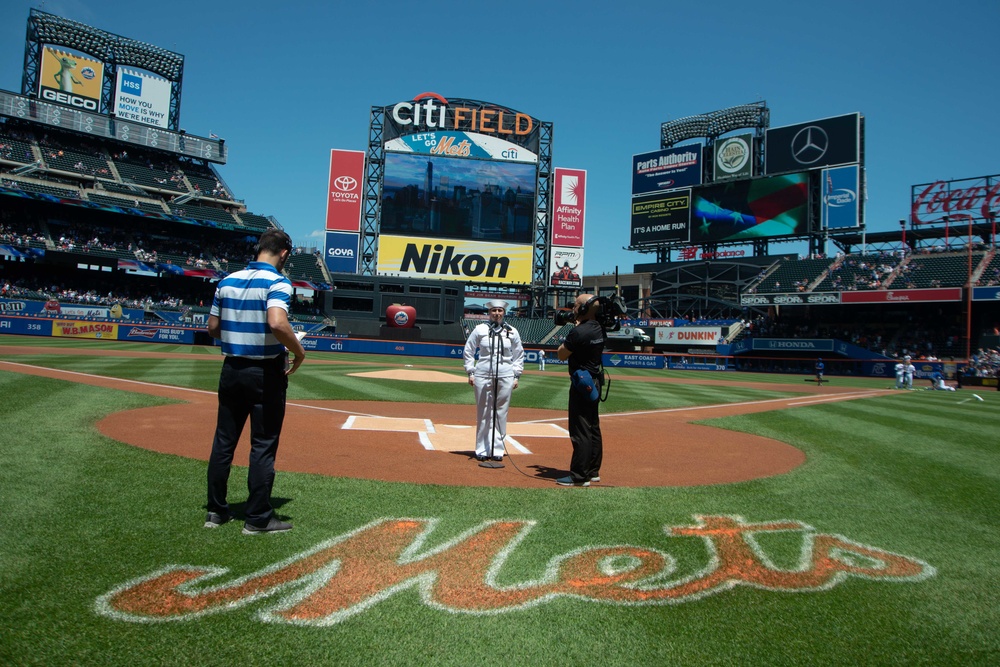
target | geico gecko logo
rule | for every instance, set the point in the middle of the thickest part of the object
(350, 573)
(432, 111)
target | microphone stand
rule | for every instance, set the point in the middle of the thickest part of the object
(495, 357)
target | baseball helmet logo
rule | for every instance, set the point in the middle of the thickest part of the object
(810, 144)
(345, 183)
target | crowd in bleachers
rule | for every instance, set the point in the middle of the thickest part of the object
(984, 363)
(19, 238)
(35, 289)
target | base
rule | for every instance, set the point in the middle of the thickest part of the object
(490, 464)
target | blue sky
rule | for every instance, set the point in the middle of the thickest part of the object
(285, 82)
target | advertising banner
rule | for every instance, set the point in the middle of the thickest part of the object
(142, 98)
(344, 200)
(687, 335)
(449, 259)
(818, 143)
(955, 201)
(750, 209)
(70, 78)
(570, 187)
(566, 267)
(145, 334)
(77, 329)
(461, 144)
(840, 208)
(789, 345)
(804, 299)
(25, 326)
(431, 112)
(665, 216)
(986, 293)
(342, 251)
(733, 157)
(667, 169)
(903, 295)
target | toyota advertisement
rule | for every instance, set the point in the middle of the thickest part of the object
(344, 201)
(819, 143)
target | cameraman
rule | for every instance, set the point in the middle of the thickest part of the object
(583, 348)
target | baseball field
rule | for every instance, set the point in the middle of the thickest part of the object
(740, 519)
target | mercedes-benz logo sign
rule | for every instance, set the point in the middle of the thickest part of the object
(345, 183)
(809, 144)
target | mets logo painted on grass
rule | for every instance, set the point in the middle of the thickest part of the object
(350, 573)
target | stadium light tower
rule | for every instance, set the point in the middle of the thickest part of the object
(902, 228)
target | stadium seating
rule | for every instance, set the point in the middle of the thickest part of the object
(65, 159)
(939, 270)
(990, 274)
(858, 272)
(790, 274)
(258, 223)
(192, 210)
(55, 191)
(305, 267)
(16, 150)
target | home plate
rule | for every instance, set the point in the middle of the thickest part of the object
(451, 437)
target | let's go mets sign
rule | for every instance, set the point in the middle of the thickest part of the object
(350, 573)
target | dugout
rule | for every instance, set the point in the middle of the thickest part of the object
(359, 304)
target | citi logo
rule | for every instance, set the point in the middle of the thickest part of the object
(345, 183)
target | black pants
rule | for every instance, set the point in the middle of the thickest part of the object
(585, 434)
(256, 389)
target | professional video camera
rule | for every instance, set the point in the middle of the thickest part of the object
(611, 310)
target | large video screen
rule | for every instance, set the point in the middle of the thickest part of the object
(750, 209)
(456, 198)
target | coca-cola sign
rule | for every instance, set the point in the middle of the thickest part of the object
(961, 200)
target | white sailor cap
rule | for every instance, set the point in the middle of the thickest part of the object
(496, 303)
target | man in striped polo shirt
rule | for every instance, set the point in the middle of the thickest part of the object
(250, 315)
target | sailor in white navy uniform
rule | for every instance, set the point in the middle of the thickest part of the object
(494, 376)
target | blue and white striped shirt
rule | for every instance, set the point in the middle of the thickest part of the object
(241, 302)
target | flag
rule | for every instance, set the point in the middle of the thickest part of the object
(213, 135)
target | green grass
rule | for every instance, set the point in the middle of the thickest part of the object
(914, 474)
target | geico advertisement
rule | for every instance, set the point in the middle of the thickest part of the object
(448, 259)
(68, 78)
(85, 329)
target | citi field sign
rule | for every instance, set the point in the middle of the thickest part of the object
(428, 112)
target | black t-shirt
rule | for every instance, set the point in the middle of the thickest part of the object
(586, 342)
